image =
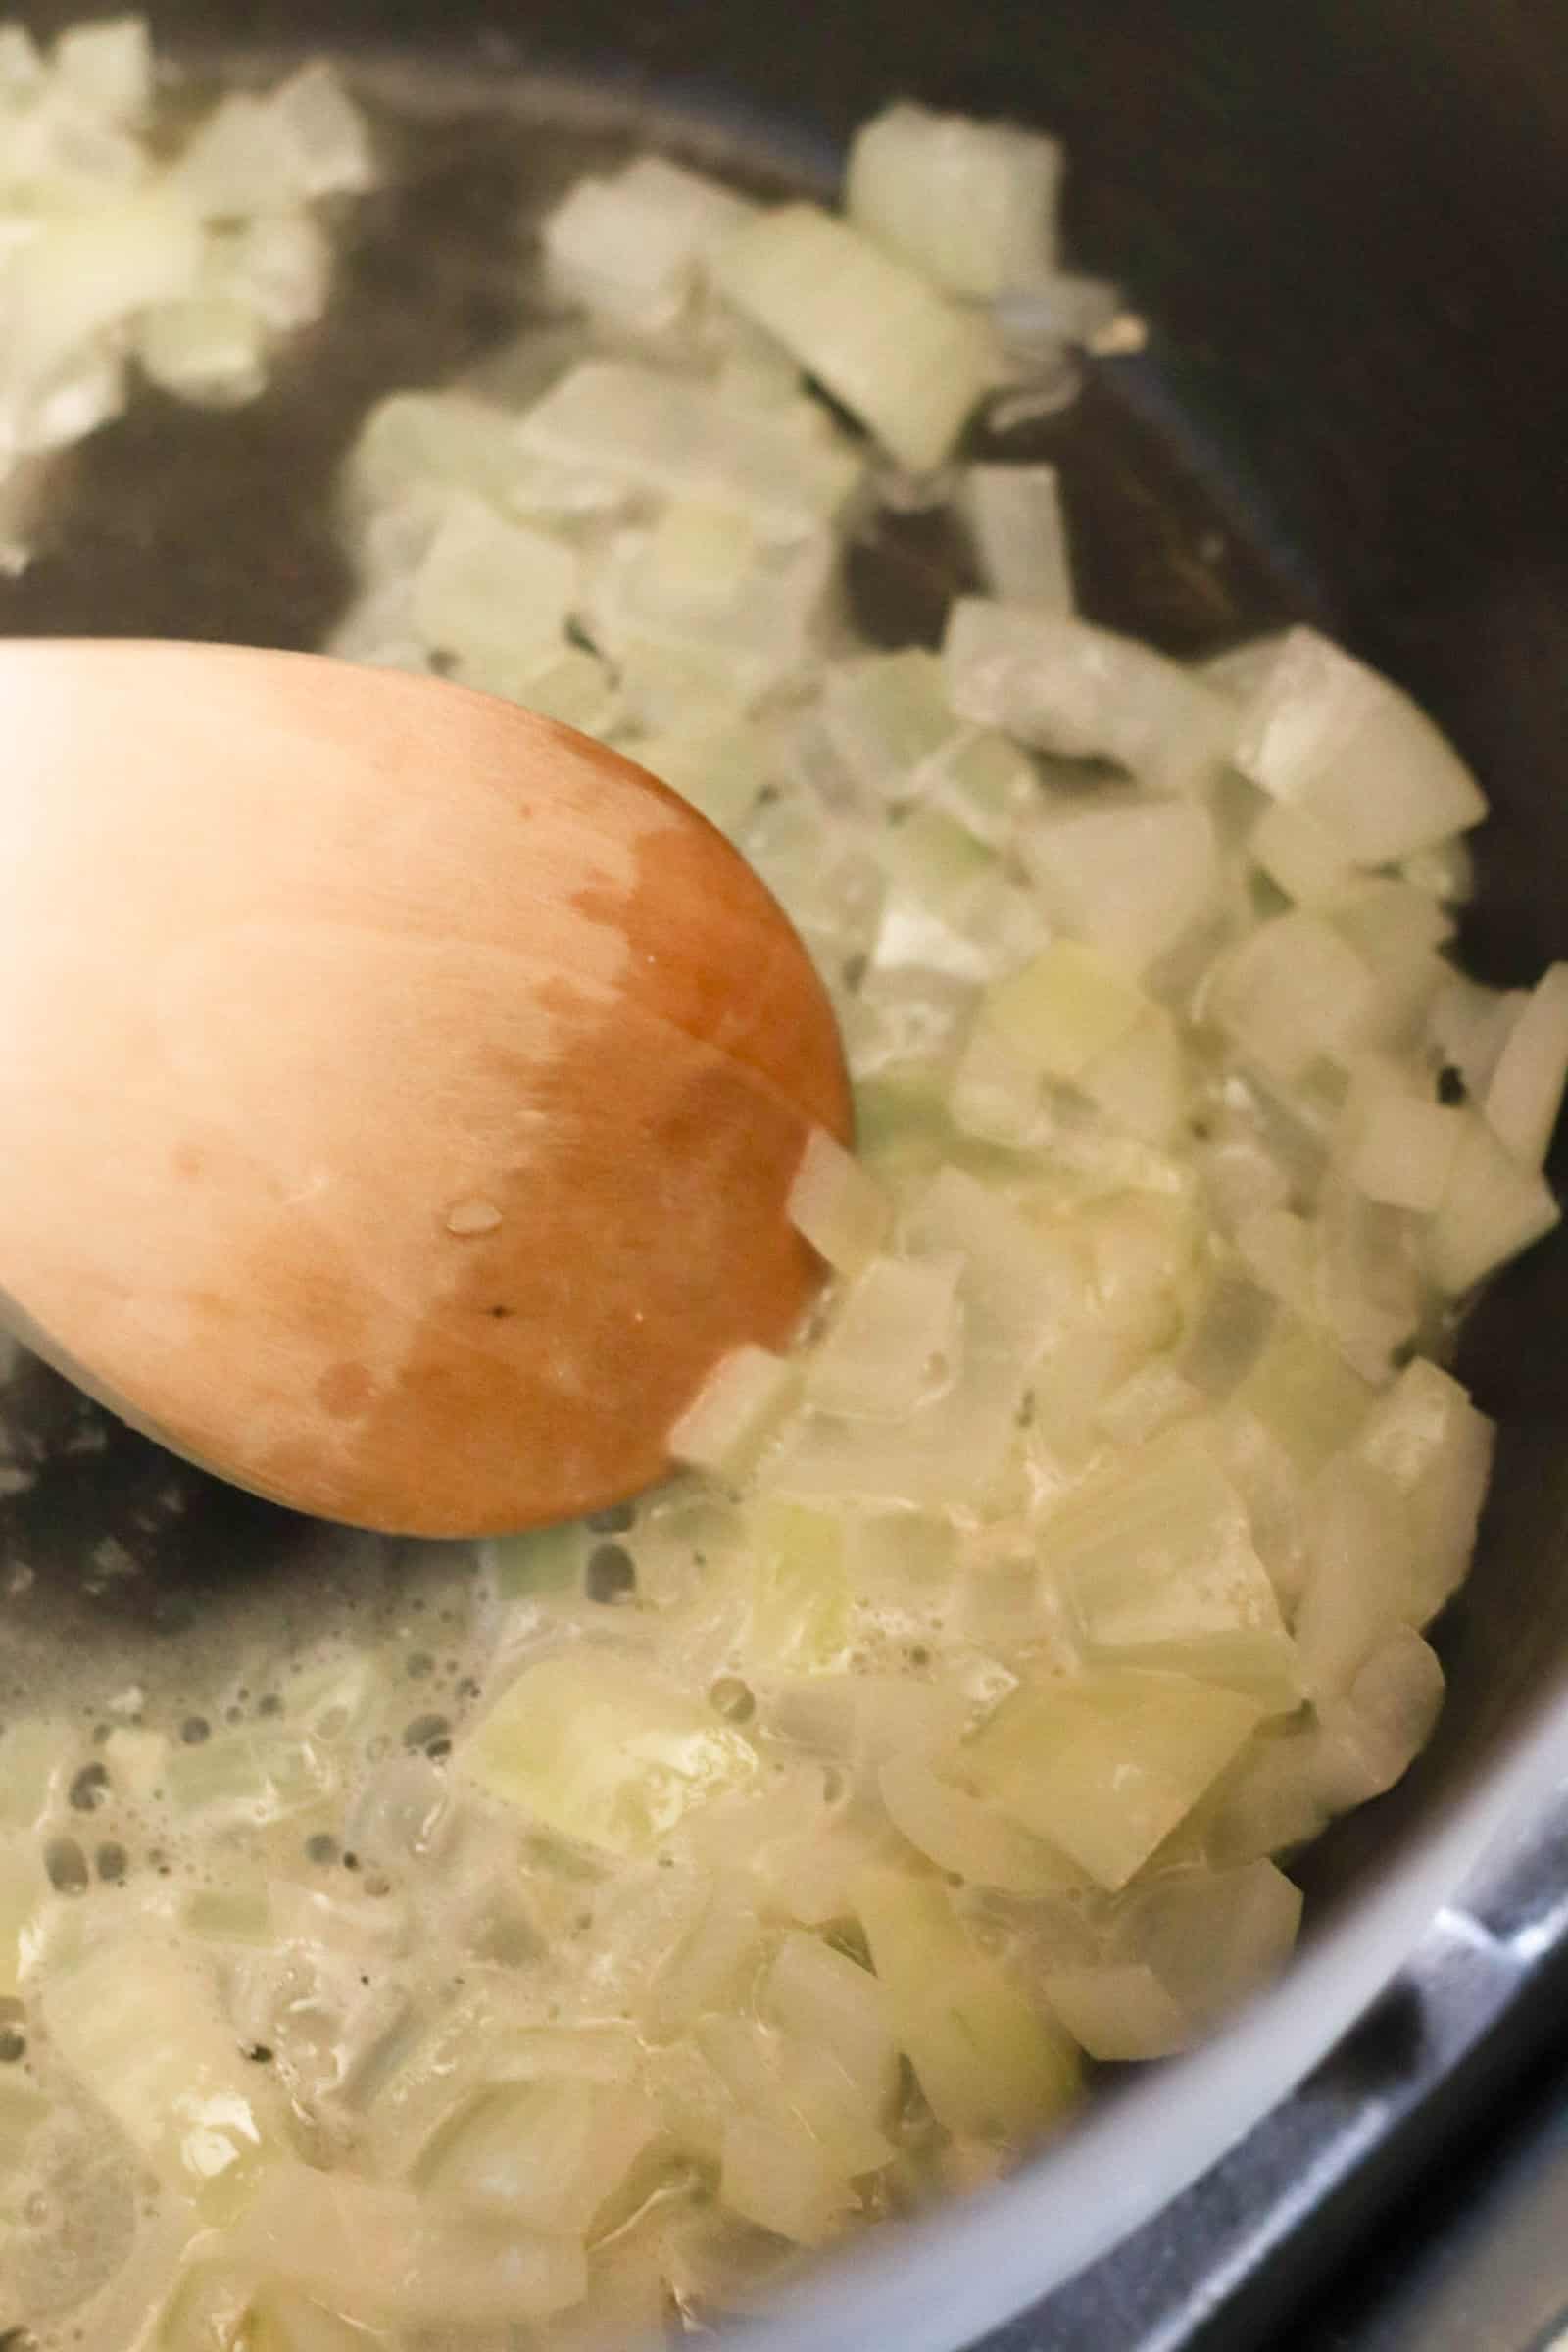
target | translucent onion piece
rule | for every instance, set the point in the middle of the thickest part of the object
(1426, 1436)
(966, 1839)
(1526, 1092)
(488, 587)
(889, 1340)
(970, 204)
(841, 1211)
(599, 1749)
(1492, 1208)
(1361, 1576)
(1371, 1735)
(785, 465)
(1106, 1766)
(1020, 534)
(1118, 2012)
(909, 363)
(1293, 991)
(826, 2000)
(1211, 1937)
(108, 66)
(987, 2060)
(1405, 1151)
(1328, 735)
(629, 247)
(137, 2022)
(381, 2254)
(1131, 875)
(1298, 854)
(1064, 1009)
(1084, 693)
(746, 1391)
(210, 350)
(1157, 1563)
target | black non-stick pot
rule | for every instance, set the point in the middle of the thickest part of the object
(1342, 221)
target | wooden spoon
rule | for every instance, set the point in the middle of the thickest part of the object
(399, 1093)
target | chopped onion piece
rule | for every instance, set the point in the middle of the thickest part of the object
(967, 1839)
(744, 1395)
(839, 1209)
(1371, 1735)
(1526, 1092)
(557, 679)
(487, 588)
(1132, 874)
(83, 272)
(774, 2172)
(1298, 854)
(1426, 1436)
(1404, 1151)
(327, 132)
(889, 1340)
(278, 264)
(801, 1609)
(383, 2254)
(599, 1749)
(108, 66)
(1213, 1938)
(24, 1896)
(1492, 1208)
(1063, 1010)
(545, 2155)
(22, 65)
(973, 205)
(36, 1752)
(1325, 733)
(1106, 1765)
(826, 2000)
(1361, 1578)
(720, 765)
(909, 363)
(1142, 1083)
(1117, 2012)
(1156, 1560)
(1304, 1392)
(1468, 1025)
(885, 716)
(629, 247)
(1447, 871)
(785, 465)
(440, 443)
(701, 580)
(1293, 991)
(1014, 515)
(1067, 309)
(1271, 1799)
(1083, 692)
(137, 2022)
(988, 2061)
(209, 350)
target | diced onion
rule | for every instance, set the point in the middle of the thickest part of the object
(970, 204)
(1526, 1092)
(1326, 734)
(1015, 513)
(909, 363)
(1084, 692)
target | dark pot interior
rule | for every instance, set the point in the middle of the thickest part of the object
(1342, 223)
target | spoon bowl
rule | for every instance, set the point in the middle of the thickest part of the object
(401, 1092)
